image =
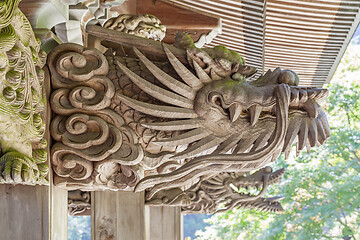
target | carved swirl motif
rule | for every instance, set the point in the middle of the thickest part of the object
(116, 176)
(19, 169)
(93, 144)
(80, 77)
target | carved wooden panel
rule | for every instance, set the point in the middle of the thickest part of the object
(24, 212)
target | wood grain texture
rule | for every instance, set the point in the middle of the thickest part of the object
(165, 223)
(174, 17)
(59, 213)
(24, 212)
(177, 19)
(118, 215)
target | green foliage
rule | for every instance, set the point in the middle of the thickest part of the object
(79, 228)
(321, 188)
(233, 223)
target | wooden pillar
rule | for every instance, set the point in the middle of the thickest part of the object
(118, 215)
(59, 214)
(24, 212)
(165, 223)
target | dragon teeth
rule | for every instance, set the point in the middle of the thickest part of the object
(235, 110)
(312, 108)
(255, 111)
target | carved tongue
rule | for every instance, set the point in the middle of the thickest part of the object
(235, 110)
(255, 111)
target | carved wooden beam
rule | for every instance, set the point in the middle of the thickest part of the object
(151, 47)
(177, 126)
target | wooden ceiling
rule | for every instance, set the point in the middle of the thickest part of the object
(307, 36)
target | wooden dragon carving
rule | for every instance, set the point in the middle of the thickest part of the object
(185, 127)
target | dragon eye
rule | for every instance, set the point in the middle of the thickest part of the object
(217, 101)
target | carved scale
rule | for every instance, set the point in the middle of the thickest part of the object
(187, 128)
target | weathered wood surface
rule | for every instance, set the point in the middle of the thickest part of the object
(58, 223)
(118, 215)
(24, 212)
(165, 223)
(22, 126)
(174, 17)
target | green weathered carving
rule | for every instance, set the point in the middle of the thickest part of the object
(21, 99)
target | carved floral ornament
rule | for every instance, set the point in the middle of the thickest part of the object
(188, 132)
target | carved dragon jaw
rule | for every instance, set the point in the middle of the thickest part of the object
(228, 190)
(262, 204)
(201, 166)
(260, 180)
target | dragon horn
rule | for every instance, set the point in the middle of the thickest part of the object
(140, 43)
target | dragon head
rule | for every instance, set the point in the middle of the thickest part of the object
(224, 122)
